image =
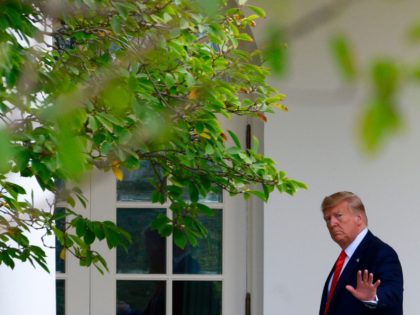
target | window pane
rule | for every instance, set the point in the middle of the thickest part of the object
(136, 185)
(147, 252)
(60, 187)
(197, 297)
(60, 296)
(213, 196)
(206, 257)
(60, 264)
(141, 297)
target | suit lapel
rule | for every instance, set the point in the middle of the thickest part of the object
(325, 291)
(351, 268)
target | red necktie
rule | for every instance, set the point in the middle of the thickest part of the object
(337, 270)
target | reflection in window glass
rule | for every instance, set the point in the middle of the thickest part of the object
(147, 252)
(206, 257)
(60, 296)
(136, 185)
(60, 264)
(197, 297)
(215, 196)
(141, 297)
(60, 187)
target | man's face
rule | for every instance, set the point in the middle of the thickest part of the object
(343, 224)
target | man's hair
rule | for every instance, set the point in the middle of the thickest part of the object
(353, 201)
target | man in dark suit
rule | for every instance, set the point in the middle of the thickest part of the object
(367, 277)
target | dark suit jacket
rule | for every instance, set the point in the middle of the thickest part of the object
(380, 259)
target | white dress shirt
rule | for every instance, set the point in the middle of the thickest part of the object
(349, 252)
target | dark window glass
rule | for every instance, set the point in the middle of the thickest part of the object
(214, 196)
(141, 297)
(137, 184)
(60, 289)
(197, 297)
(60, 264)
(147, 252)
(206, 257)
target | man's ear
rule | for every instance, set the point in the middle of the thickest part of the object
(359, 218)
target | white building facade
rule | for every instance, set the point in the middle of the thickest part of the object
(271, 259)
(316, 142)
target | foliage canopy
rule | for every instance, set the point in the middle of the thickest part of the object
(106, 84)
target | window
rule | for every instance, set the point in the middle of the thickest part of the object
(60, 269)
(154, 276)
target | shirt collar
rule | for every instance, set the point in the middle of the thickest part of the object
(356, 242)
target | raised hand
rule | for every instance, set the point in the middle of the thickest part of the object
(365, 288)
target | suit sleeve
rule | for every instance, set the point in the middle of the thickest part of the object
(388, 270)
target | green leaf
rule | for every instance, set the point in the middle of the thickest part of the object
(378, 121)
(98, 230)
(102, 262)
(259, 194)
(276, 52)
(38, 251)
(209, 149)
(179, 238)
(5, 258)
(112, 237)
(385, 79)
(259, 11)
(413, 33)
(14, 189)
(160, 221)
(244, 37)
(205, 209)
(105, 123)
(233, 150)
(343, 56)
(255, 145)
(70, 200)
(93, 123)
(192, 239)
(124, 8)
(116, 24)
(81, 226)
(6, 151)
(210, 7)
(70, 151)
(193, 192)
(235, 139)
(166, 230)
(299, 184)
(202, 231)
(89, 236)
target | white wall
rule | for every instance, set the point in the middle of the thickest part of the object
(25, 289)
(315, 142)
